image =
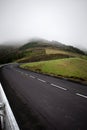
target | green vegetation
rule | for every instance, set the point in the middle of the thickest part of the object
(58, 51)
(73, 68)
(32, 57)
(9, 54)
(42, 52)
(54, 44)
(54, 58)
(38, 50)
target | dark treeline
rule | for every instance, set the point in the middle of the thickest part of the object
(9, 54)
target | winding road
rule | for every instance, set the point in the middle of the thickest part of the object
(41, 102)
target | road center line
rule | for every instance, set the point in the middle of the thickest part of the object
(41, 80)
(58, 87)
(81, 95)
(32, 76)
(17, 70)
(22, 72)
(26, 74)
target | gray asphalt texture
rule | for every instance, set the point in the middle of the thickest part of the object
(41, 102)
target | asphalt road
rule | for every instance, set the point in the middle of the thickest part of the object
(41, 102)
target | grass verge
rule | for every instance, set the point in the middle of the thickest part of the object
(72, 68)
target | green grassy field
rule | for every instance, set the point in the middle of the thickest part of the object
(73, 68)
(58, 51)
(49, 51)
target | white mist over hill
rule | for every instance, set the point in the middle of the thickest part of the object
(60, 20)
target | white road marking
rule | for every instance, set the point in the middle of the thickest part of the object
(41, 80)
(81, 95)
(26, 74)
(18, 71)
(32, 76)
(58, 87)
(21, 72)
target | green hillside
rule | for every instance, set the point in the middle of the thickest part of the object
(54, 58)
(52, 44)
(38, 50)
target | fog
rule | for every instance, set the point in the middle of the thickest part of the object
(60, 20)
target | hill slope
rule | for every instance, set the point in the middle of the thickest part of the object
(37, 50)
(53, 44)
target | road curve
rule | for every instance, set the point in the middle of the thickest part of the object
(43, 102)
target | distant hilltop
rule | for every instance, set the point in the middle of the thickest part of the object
(37, 50)
(45, 43)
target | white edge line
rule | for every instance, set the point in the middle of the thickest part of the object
(81, 95)
(59, 87)
(9, 113)
(41, 80)
(32, 76)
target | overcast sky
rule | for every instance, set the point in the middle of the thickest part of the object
(61, 20)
